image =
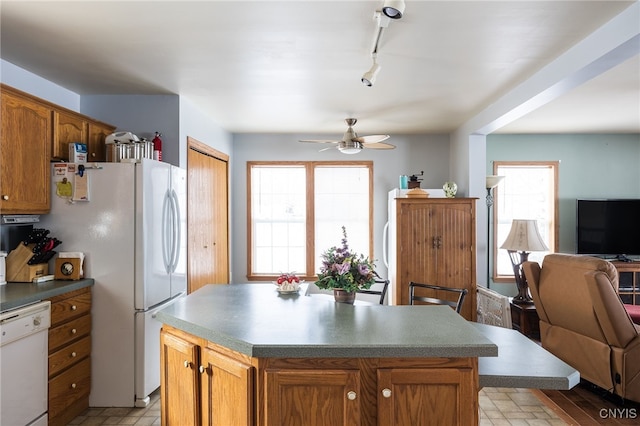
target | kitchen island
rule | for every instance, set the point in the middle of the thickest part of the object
(243, 354)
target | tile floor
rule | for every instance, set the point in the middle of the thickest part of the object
(498, 406)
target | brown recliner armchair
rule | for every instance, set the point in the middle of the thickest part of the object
(583, 321)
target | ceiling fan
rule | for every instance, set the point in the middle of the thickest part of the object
(351, 143)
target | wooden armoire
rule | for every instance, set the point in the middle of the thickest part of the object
(433, 241)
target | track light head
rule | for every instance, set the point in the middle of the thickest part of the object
(393, 8)
(369, 77)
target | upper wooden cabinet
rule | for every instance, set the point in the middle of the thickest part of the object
(96, 134)
(32, 132)
(433, 242)
(69, 127)
(25, 146)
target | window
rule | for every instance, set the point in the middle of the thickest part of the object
(528, 191)
(296, 210)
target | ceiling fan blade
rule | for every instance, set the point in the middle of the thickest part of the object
(371, 138)
(378, 145)
(318, 141)
(326, 149)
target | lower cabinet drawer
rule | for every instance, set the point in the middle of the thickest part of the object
(68, 332)
(69, 355)
(69, 386)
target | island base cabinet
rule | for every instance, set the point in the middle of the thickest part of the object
(426, 397)
(179, 381)
(200, 386)
(312, 397)
(206, 383)
(227, 390)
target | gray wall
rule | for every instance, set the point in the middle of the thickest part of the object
(591, 166)
(414, 153)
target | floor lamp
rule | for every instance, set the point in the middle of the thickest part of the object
(492, 182)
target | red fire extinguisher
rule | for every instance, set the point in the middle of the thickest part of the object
(157, 147)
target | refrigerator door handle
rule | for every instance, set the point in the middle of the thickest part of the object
(166, 211)
(176, 232)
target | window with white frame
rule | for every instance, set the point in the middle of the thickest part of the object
(297, 209)
(528, 191)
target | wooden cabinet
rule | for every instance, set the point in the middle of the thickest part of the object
(234, 389)
(32, 132)
(433, 241)
(96, 135)
(69, 127)
(312, 397)
(25, 147)
(200, 385)
(629, 282)
(69, 356)
(427, 396)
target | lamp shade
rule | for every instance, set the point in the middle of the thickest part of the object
(493, 181)
(524, 236)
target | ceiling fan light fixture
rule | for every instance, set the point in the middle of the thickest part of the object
(369, 77)
(393, 8)
(351, 147)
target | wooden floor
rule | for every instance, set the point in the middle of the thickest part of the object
(587, 405)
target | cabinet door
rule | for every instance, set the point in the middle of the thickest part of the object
(455, 251)
(25, 153)
(312, 397)
(227, 390)
(179, 381)
(429, 396)
(96, 148)
(418, 232)
(67, 128)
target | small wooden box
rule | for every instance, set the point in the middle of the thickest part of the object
(17, 268)
(68, 268)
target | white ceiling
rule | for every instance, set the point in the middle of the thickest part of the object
(295, 66)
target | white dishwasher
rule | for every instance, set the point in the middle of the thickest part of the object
(24, 363)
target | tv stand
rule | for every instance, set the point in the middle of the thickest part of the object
(629, 290)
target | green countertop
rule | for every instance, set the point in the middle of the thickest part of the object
(14, 295)
(254, 319)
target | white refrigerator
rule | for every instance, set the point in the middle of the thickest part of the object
(132, 231)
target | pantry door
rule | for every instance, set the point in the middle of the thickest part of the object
(208, 215)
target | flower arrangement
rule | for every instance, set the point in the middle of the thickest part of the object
(344, 270)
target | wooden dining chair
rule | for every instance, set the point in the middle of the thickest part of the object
(379, 288)
(456, 293)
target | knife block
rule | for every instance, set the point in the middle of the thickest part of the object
(17, 268)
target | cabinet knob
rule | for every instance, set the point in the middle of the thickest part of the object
(74, 307)
(74, 331)
(202, 369)
(351, 395)
(187, 364)
(386, 392)
(93, 154)
(73, 385)
(73, 354)
(5, 197)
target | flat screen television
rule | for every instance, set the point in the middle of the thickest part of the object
(608, 228)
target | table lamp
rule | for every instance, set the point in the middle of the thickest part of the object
(524, 237)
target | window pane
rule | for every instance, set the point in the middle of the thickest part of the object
(341, 199)
(278, 213)
(527, 192)
(285, 236)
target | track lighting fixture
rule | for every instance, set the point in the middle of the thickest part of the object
(369, 77)
(393, 8)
